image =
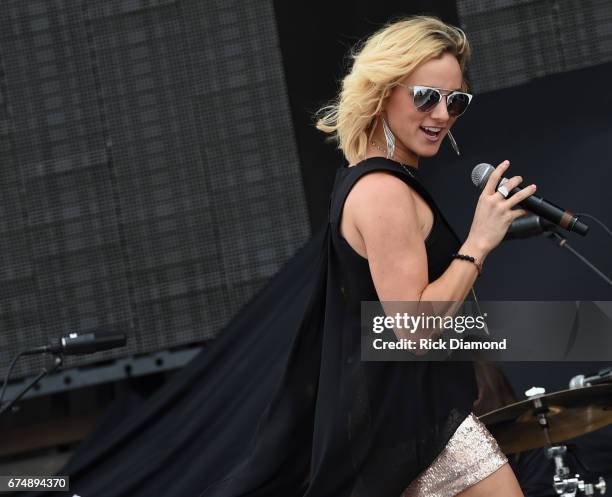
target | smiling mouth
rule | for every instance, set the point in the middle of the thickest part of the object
(431, 131)
(431, 134)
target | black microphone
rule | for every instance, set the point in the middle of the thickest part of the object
(528, 226)
(543, 208)
(75, 343)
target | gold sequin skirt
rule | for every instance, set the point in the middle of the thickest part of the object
(470, 456)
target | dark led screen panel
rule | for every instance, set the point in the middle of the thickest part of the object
(149, 181)
(517, 41)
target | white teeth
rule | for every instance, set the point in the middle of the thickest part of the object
(435, 130)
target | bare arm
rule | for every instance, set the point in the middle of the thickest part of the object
(385, 216)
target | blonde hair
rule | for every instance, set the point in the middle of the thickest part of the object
(384, 58)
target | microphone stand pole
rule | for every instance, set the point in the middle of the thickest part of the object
(559, 240)
(57, 363)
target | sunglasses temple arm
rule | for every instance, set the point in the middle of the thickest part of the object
(453, 142)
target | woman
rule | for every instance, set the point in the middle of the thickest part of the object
(405, 90)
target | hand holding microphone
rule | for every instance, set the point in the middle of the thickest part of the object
(537, 205)
(494, 212)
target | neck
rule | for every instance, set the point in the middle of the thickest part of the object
(377, 147)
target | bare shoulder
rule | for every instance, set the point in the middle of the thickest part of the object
(379, 194)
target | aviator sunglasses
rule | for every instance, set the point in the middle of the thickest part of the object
(426, 98)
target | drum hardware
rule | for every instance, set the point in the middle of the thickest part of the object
(565, 414)
(563, 484)
(545, 420)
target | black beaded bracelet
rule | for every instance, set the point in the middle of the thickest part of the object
(469, 258)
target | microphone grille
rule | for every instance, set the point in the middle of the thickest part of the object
(481, 173)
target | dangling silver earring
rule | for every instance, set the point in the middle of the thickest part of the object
(453, 142)
(389, 138)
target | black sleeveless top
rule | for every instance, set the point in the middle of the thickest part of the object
(440, 243)
(391, 418)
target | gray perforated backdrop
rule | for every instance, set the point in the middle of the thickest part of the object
(516, 41)
(149, 179)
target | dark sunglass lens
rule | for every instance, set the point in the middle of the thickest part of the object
(425, 98)
(457, 103)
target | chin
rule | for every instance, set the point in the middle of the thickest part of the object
(429, 151)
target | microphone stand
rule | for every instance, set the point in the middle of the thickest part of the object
(73, 343)
(561, 241)
(57, 364)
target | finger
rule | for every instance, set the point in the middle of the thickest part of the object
(495, 177)
(516, 213)
(520, 196)
(512, 183)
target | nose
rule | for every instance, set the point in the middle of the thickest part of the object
(440, 111)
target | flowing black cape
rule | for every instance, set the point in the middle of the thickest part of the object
(202, 433)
